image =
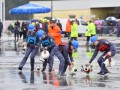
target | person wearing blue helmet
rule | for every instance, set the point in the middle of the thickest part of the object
(32, 47)
(40, 33)
(108, 50)
(47, 43)
(31, 27)
(64, 53)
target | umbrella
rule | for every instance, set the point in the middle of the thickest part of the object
(102, 21)
(29, 9)
(27, 21)
(111, 18)
(35, 20)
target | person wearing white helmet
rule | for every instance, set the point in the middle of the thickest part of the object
(48, 44)
(32, 47)
(64, 53)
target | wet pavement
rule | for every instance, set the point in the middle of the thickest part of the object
(12, 79)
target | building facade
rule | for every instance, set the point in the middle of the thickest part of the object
(86, 9)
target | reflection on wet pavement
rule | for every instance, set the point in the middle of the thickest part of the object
(12, 79)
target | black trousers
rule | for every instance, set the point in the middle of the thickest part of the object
(45, 64)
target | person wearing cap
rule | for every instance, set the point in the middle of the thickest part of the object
(32, 47)
(108, 50)
(47, 43)
(55, 32)
(64, 53)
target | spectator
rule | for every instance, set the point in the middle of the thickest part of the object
(46, 26)
(68, 28)
(118, 29)
(11, 28)
(55, 32)
(74, 30)
(24, 30)
(59, 24)
(1, 29)
(16, 33)
(17, 24)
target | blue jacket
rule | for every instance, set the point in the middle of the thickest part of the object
(48, 42)
(32, 34)
(103, 46)
(67, 53)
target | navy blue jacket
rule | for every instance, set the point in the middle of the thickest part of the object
(103, 46)
(67, 53)
(48, 42)
(34, 34)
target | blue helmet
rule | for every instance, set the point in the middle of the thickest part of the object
(75, 44)
(40, 33)
(94, 38)
(31, 27)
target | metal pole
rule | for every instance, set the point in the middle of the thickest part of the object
(51, 9)
(1, 10)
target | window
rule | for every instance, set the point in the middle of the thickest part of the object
(72, 16)
(84, 23)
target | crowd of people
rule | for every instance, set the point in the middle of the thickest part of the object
(99, 27)
(51, 41)
(46, 35)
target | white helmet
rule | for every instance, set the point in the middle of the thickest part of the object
(45, 54)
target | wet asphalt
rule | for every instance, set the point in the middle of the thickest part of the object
(12, 79)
